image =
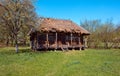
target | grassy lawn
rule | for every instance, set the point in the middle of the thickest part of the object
(90, 62)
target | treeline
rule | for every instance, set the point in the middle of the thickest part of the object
(103, 34)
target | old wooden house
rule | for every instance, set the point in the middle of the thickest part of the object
(54, 34)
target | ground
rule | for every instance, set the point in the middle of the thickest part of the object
(91, 62)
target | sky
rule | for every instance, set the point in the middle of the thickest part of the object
(79, 10)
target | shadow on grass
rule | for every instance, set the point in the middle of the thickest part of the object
(11, 50)
(25, 50)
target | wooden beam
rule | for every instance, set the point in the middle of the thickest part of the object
(36, 40)
(79, 40)
(79, 43)
(47, 40)
(56, 38)
(71, 35)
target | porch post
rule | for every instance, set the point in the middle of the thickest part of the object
(47, 41)
(56, 38)
(37, 40)
(71, 38)
(85, 42)
(79, 42)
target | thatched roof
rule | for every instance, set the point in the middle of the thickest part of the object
(57, 25)
(2, 10)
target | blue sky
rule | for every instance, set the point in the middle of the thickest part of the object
(79, 10)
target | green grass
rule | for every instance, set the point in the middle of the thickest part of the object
(90, 62)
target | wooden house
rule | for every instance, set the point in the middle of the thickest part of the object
(54, 34)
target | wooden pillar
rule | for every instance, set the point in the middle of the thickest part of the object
(47, 41)
(79, 40)
(82, 42)
(85, 42)
(56, 38)
(79, 43)
(36, 40)
(71, 38)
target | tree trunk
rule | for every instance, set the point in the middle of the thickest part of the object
(16, 45)
(106, 45)
(7, 42)
(24, 43)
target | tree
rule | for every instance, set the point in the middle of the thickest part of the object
(18, 15)
(118, 30)
(106, 34)
(91, 26)
(101, 33)
(117, 36)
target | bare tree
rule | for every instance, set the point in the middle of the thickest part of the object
(106, 35)
(102, 34)
(91, 26)
(18, 15)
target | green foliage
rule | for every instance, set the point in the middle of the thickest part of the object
(90, 62)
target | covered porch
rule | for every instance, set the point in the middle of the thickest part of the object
(59, 41)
